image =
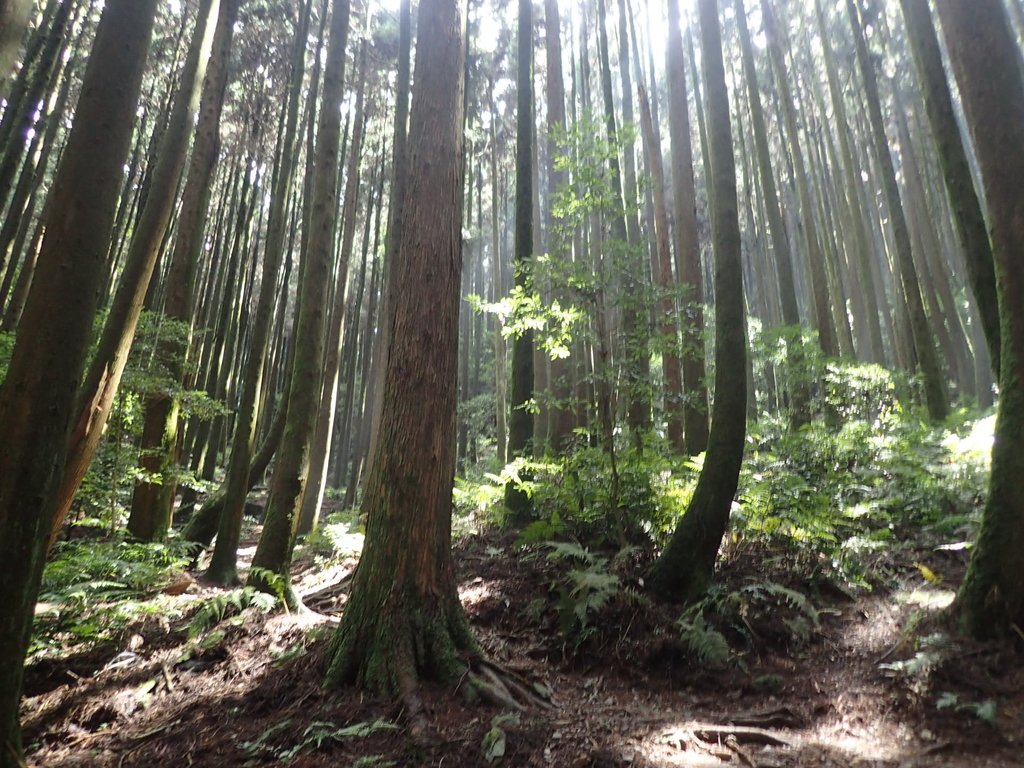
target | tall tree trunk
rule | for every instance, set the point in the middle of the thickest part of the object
(399, 174)
(967, 214)
(684, 570)
(274, 551)
(160, 453)
(37, 397)
(238, 478)
(562, 417)
(404, 620)
(799, 392)
(816, 257)
(924, 343)
(104, 376)
(851, 172)
(635, 312)
(669, 341)
(327, 409)
(520, 423)
(688, 269)
(985, 59)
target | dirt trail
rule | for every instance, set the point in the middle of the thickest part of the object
(631, 696)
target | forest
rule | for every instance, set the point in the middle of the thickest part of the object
(504, 382)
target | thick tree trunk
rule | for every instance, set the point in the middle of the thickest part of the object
(404, 620)
(984, 58)
(37, 396)
(684, 570)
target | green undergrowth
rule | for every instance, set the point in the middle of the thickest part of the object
(842, 505)
(93, 590)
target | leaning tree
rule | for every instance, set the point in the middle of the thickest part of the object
(38, 394)
(685, 568)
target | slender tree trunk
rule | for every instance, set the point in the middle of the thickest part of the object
(154, 501)
(967, 214)
(520, 426)
(274, 551)
(684, 570)
(924, 343)
(669, 341)
(688, 269)
(816, 257)
(238, 480)
(799, 406)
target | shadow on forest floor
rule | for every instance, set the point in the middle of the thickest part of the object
(862, 690)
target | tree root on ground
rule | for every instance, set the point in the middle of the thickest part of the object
(502, 687)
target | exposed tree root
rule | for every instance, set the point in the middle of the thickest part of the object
(502, 687)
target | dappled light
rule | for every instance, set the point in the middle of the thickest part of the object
(584, 383)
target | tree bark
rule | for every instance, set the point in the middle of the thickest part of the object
(404, 620)
(984, 58)
(684, 570)
(37, 396)
(274, 551)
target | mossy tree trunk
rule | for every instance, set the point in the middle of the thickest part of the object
(38, 394)
(284, 501)
(404, 620)
(684, 570)
(984, 58)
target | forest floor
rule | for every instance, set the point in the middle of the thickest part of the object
(870, 685)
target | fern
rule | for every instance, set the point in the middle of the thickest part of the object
(807, 618)
(213, 611)
(569, 550)
(706, 643)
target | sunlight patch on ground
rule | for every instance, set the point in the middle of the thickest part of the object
(475, 592)
(860, 744)
(929, 599)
